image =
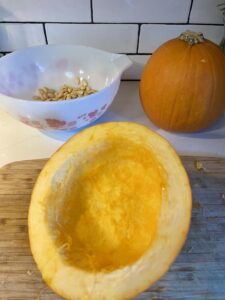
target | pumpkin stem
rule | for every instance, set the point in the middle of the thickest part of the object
(192, 37)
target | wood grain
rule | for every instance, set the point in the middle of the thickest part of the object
(197, 274)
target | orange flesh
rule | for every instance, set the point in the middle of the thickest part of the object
(109, 216)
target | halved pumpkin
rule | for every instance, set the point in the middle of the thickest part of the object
(109, 213)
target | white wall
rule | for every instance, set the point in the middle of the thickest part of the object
(134, 27)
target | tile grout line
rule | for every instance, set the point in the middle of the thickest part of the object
(127, 53)
(112, 23)
(189, 14)
(5, 52)
(45, 34)
(92, 13)
(135, 53)
(130, 80)
(138, 37)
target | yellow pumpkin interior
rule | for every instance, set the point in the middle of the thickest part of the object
(107, 220)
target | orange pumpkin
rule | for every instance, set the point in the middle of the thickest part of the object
(109, 213)
(183, 84)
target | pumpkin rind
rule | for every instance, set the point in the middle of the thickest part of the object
(183, 86)
(74, 282)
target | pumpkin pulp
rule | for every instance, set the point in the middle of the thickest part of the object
(108, 216)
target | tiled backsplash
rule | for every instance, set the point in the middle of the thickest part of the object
(135, 27)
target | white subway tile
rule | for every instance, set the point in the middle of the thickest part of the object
(141, 10)
(45, 10)
(152, 36)
(110, 37)
(135, 71)
(16, 36)
(206, 11)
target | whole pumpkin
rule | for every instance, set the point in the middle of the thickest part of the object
(109, 213)
(182, 87)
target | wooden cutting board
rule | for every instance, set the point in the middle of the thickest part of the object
(197, 274)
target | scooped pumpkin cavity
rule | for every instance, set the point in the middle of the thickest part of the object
(109, 214)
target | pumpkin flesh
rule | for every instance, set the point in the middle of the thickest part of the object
(109, 214)
(105, 208)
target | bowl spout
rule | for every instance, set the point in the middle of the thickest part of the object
(122, 62)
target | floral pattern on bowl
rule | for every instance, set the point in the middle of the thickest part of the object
(58, 124)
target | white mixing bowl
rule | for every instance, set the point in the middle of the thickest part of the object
(23, 72)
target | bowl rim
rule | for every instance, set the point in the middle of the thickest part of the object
(79, 99)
